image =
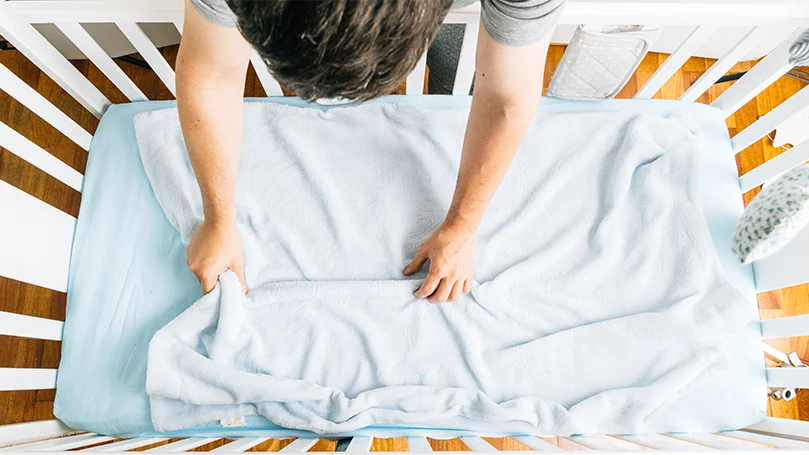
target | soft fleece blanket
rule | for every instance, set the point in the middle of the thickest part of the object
(599, 297)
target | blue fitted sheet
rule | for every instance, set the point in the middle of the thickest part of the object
(128, 278)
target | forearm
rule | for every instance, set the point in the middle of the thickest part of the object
(493, 135)
(211, 116)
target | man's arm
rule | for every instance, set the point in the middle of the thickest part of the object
(211, 68)
(508, 87)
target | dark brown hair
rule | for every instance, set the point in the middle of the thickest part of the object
(354, 49)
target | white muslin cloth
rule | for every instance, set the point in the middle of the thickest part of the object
(599, 296)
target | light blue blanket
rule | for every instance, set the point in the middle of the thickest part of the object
(600, 296)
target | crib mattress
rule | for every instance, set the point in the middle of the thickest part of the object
(128, 278)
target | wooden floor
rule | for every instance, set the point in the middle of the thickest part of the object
(24, 298)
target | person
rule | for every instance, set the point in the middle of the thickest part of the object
(356, 50)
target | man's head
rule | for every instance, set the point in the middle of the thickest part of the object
(354, 49)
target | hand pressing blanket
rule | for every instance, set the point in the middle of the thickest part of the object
(599, 297)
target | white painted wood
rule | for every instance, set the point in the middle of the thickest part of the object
(772, 441)
(359, 444)
(240, 445)
(788, 377)
(90, 48)
(37, 49)
(19, 145)
(36, 247)
(69, 445)
(797, 104)
(418, 444)
(793, 326)
(178, 24)
(477, 444)
(19, 325)
(674, 61)
(672, 12)
(44, 445)
(270, 85)
(27, 378)
(537, 444)
(415, 80)
(649, 441)
(761, 76)
(300, 445)
(20, 91)
(718, 69)
(775, 353)
(126, 444)
(594, 443)
(775, 166)
(710, 441)
(786, 267)
(149, 52)
(783, 428)
(184, 445)
(466, 64)
(29, 431)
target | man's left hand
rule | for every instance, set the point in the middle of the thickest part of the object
(451, 251)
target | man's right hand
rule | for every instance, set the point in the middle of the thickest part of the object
(214, 248)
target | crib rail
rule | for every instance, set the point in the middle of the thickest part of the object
(36, 247)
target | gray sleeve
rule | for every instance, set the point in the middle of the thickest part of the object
(215, 11)
(520, 22)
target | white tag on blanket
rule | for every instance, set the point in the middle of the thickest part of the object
(234, 422)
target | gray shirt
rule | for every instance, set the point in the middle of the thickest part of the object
(511, 22)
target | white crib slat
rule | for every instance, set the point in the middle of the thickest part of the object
(761, 76)
(240, 445)
(149, 52)
(37, 49)
(793, 326)
(477, 444)
(19, 145)
(270, 85)
(794, 429)
(126, 444)
(709, 440)
(27, 378)
(537, 444)
(788, 377)
(19, 325)
(20, 91)
(44, 445)
(70, 445)
(593, 443)
(718, 69)
(780, 443)
(775, 166)
(19, 432)
(35, 247)
(466, 64)
(183, 445)
(797, 104)
(674, 61)
(415, 80)
(359, 444)
(90, 48)
(418, 444)
(300, 445)
(650, 441)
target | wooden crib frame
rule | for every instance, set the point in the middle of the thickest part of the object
(36, 238)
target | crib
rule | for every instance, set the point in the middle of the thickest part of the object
(36, 238)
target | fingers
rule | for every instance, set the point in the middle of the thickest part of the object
(238, 269)
(457, 290)
(208, 281)
(417, 263)
(442, 293)
(467, 285)
(429, 285)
